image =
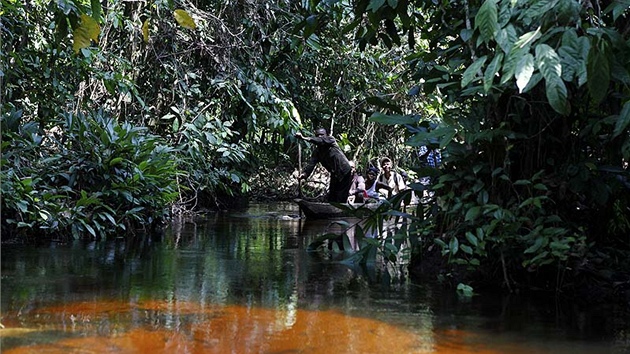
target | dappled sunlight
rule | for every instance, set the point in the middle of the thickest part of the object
(185, 327)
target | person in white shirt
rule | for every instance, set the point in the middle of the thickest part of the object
(391, 178)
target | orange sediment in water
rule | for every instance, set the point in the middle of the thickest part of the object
(183, 327)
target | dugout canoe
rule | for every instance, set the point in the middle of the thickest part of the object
(321, 210)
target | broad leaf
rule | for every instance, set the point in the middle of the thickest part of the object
(598, 71)
(548, 62)
(486, 20)
(472, 71)
(540, 8)
(506, 38)
(472, 213)
(557, 96)
(518, 50)
(145, 31)
(491, 72)
(524, 71)
(87, 31)
(183, 18)
(393, 119)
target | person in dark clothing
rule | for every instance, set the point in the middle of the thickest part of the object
(328, 153)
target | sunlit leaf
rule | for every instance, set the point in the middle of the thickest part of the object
(548, 62)
(145, 31)
(524, 71)
(183, 18)
(87, 31)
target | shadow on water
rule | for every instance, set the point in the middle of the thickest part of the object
(245, 282)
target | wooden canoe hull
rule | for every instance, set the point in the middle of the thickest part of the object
(320, 210)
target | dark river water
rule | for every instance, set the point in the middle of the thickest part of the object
(245, 282)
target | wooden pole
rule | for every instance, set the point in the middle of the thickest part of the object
(299, 170)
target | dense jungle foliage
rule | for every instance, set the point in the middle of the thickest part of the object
(119, 114)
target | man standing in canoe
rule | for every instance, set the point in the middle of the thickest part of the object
(328, 153)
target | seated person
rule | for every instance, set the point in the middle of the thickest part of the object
(373, 186)
(357, 188)
(391, 178)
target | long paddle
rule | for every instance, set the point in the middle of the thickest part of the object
(299, 170)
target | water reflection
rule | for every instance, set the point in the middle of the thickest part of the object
(246, 282)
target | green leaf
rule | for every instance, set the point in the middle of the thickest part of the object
(598, 71)
(472, 239)
(518, 50)
(486, 20)
(393, 119)
(539, 8)
(465, 290)
(536, 246)
(623, 120)
(115, 161)
(96, 9)
(375, 5)
(471, 72)
(524, 71)
(472, 213)
(183, 19)
(557, 96)
(454, 245)
(467, 249)
(491, 72)
(548, 62)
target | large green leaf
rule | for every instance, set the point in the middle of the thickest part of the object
(539, 8)
(518, 50)
(506, 38)
(472, 71)
(524, 71)
(486, 20)
(491, 72)
(392, 119)
(557, 96)
(548, 62)
(598, 71)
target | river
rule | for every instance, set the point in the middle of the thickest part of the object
(246, 282)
